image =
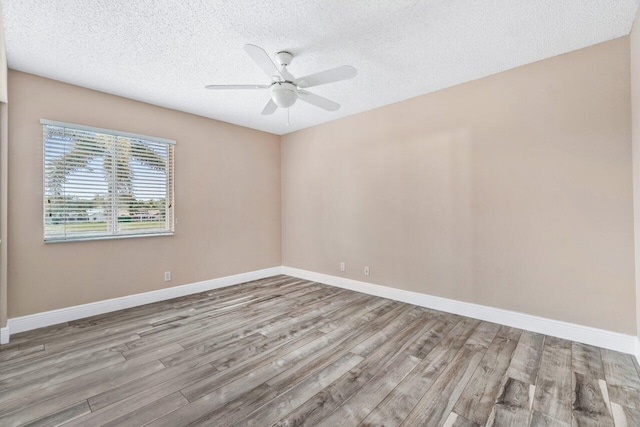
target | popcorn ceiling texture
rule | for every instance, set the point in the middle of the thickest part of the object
(164, 52)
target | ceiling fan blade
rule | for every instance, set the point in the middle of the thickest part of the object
(223, 87)
(327, 76)
(286, 74)
(318, 101)
(262, 59)
(270, 108)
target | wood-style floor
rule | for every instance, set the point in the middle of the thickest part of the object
(287, 352)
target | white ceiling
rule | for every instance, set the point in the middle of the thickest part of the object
(164, 51)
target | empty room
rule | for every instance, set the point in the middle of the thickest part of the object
(320, 213)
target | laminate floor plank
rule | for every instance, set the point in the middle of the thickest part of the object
(455, 420)
(120, 406)
(370, 345)
(21, 353)
(63, 416)
(622, 378)
(400, 402)
(58, 368)
(365, 400)
(478, 398)
(636, 363)
(327, 354)
(285, 403)
(260, 364)
(52, 399)
(553, 386)
(211, 326)
(513, 405)
(625, 417)
(297, 357)
(327, 400)
(434, 331)
(150, 412)
(242, 330)
(139, 385)
(211, 350)
(590, 406)
(232, 410)
(438, 401)
(18, 386)
(21, 368)
(526, 358)
(290, 352)
(587, 360)
(539, 419)
(198, 409)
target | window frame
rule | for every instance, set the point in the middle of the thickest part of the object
(170, 188)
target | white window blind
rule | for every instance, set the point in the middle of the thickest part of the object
(104, 184)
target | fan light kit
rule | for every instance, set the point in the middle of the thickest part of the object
(285, 88)
(284, 94)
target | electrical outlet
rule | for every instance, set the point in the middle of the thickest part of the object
(167, 276)
(366, 270)
(343, 267)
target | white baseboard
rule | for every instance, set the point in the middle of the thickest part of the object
(612, 340)
(4, 335)
(53, 317)
(584, 334)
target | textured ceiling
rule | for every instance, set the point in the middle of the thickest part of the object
(164, 51)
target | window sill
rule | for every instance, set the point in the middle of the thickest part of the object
(120, 236)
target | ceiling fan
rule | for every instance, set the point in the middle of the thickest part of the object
(285, 88)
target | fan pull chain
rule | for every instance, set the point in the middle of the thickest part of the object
(287, 116)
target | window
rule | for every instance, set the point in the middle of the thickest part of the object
(100, 183)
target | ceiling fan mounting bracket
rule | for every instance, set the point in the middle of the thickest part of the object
(284, 58)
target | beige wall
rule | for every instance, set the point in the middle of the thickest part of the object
(3, 64)
(512, 191)
(3, 177)
(227, 202)
(635, 133)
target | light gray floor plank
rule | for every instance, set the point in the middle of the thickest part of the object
(438, 401)
(622, 378)
(526, 359)
(16, 386)
(198, 409)
(513, 405)
(590, 406)
(61, 395)
(586, 360)
(121, 407)
(477, 399)
(285, 403)
(21, 353)
(63, 416)
(625, 417)
(455, 420)
(150, 412)
(360, 404)
(393, 410)
(539, 419)
(553, 388)
(146, 383)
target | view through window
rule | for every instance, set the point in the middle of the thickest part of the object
(105, 184)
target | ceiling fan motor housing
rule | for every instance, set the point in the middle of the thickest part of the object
(284, 94)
